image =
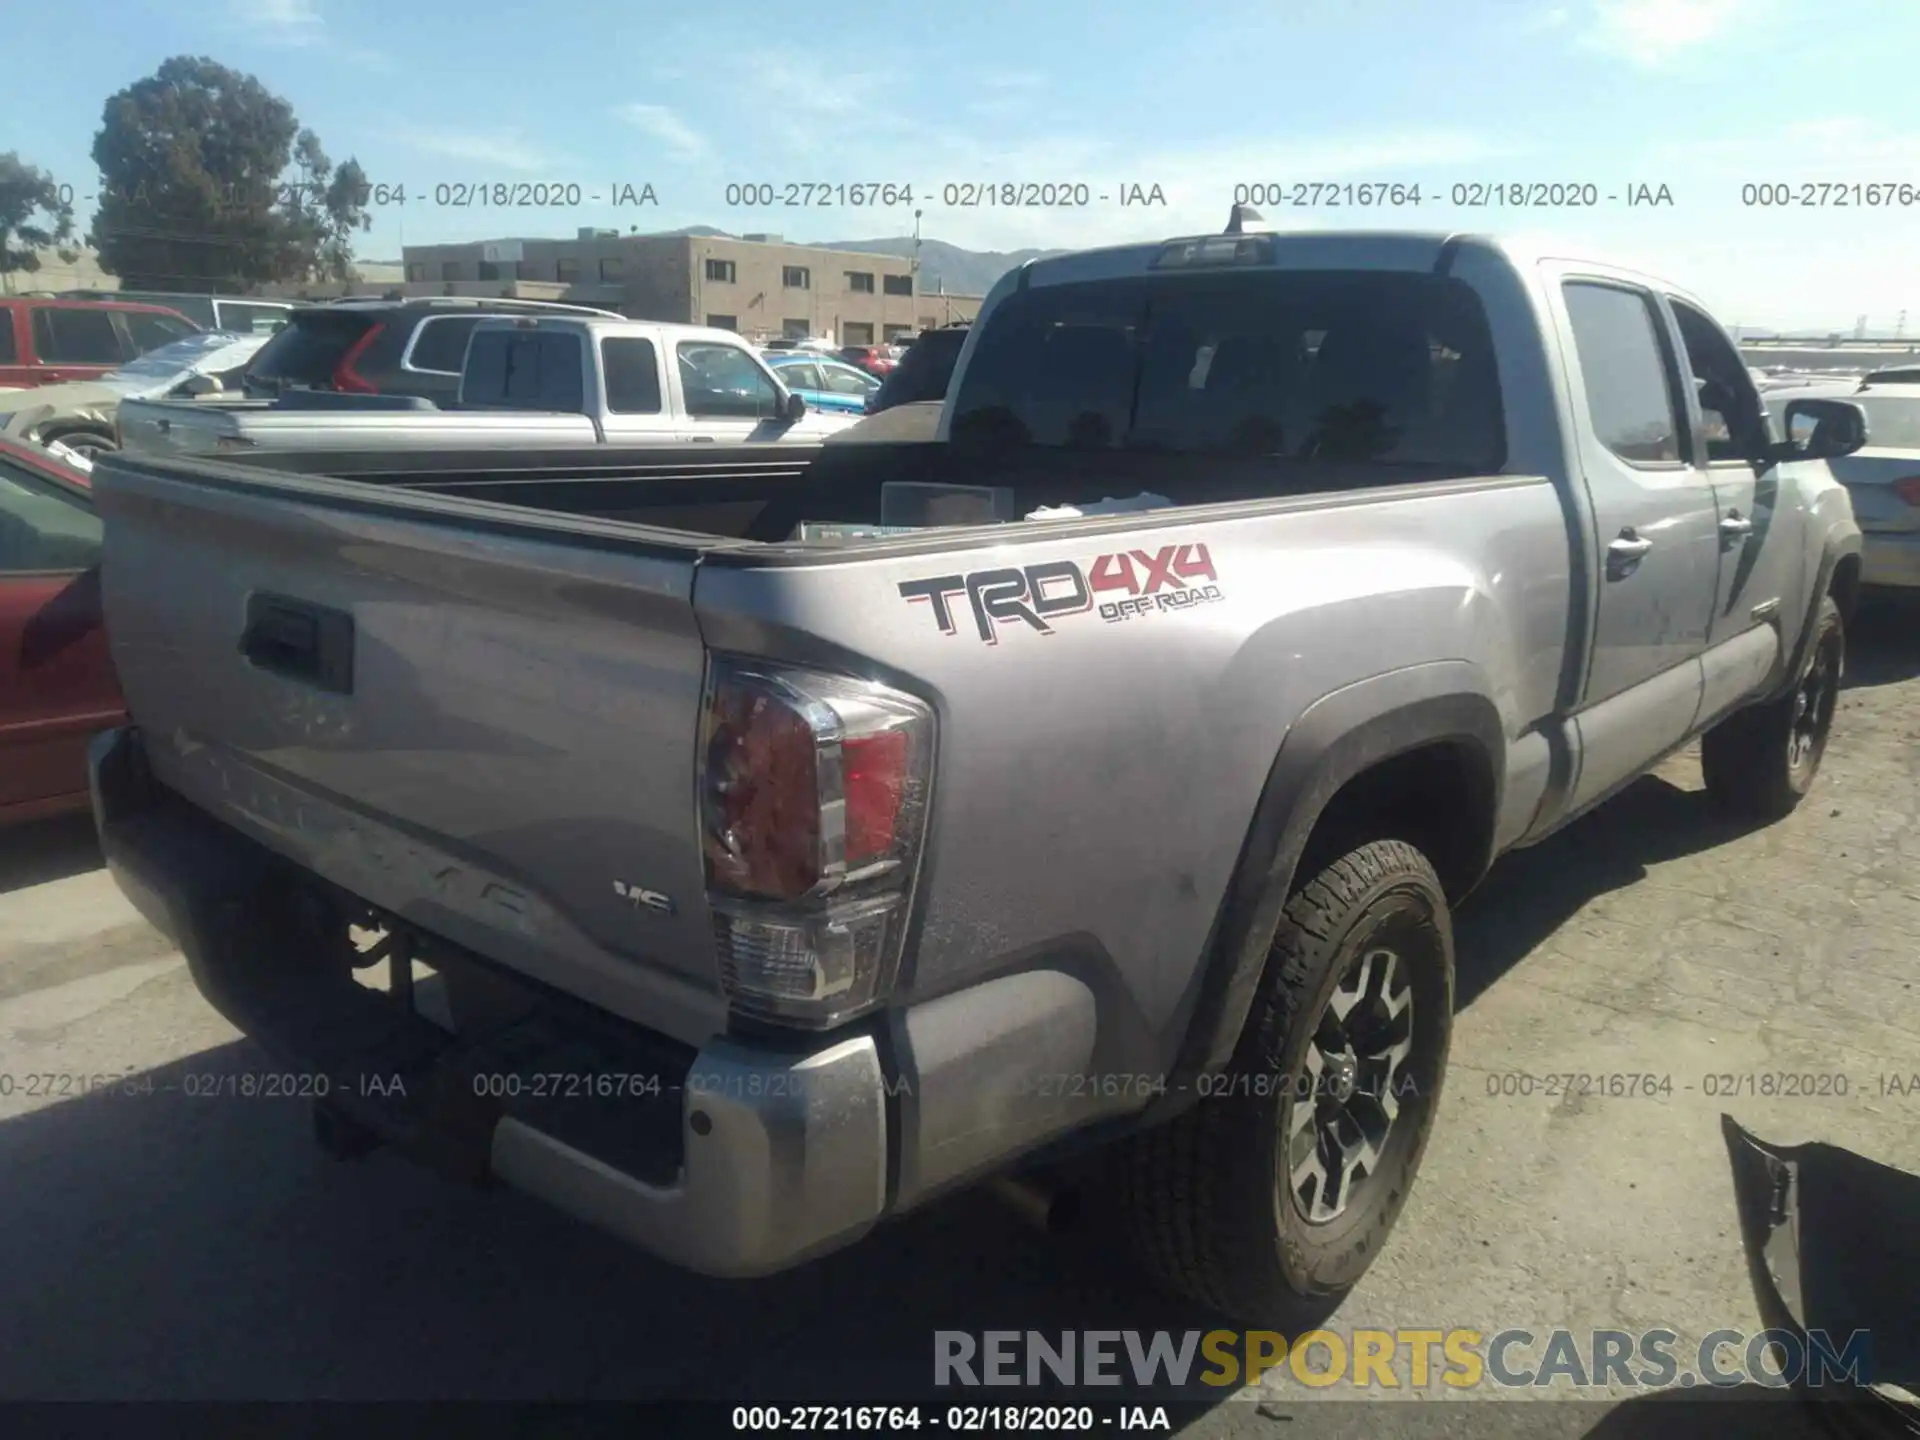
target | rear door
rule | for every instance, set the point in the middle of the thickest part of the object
(725, 395)
(1656, 528)
(72, 342)
(57, 686)
(488, 730)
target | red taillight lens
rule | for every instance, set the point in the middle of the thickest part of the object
(813, 803)
(345, 377)
(1908, 489)
(874, 773)
(763, 795)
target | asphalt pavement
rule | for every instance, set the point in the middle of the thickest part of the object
(186, 1243)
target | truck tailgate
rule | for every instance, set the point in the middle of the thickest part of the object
(478, 720)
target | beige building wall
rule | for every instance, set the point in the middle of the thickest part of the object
(762, 287)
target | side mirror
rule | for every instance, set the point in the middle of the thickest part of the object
(1822, 430)
(198, 384)
(794, 408)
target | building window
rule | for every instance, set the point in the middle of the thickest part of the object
(489, 270)
(899, 284)
(897, 332)
(927, 322)
(795, 329)
(856, 333)
(796, 277)
(613, 268)
(450, 270)
(721, 270)
(416, 270)
(860, 281)
(723, 322)
(566, 271)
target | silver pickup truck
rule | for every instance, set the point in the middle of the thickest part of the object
(556, 380)
(612, 835)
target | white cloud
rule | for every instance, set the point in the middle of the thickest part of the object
(1650, 33)
(503, 148)
(772, 79)
(1553, 17)
(278, 22)
(681, 140)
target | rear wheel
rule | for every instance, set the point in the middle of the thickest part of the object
(89, 443)
(1761, 761)
(1277, 1190)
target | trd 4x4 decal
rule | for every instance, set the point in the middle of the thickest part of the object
(1138, 582)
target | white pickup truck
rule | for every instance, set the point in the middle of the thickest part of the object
(545, 380)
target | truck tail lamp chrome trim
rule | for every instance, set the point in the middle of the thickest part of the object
(813, 811)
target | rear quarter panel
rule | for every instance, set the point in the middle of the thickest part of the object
(1095, 782)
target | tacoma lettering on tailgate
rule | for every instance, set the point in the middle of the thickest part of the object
(1120, 586)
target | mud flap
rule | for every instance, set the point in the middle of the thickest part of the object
(1833, 1248)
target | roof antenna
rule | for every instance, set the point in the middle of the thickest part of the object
(1245, 220)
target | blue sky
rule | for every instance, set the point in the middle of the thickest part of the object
(1699, 95)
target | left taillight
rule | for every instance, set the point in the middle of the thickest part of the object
(1908, 489)
(813, 808)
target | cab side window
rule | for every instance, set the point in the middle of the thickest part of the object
(1616, 332)
(1731, 420)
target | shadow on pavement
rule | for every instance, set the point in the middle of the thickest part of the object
(43, 850)
(1531, 893)
(1739, 1412)
(183, 1242)
(1883, 643)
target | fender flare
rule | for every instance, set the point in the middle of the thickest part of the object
(1336, 738)
(1837, 548)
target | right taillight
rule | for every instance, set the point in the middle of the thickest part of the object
(345, 377)
(1908, 489)
(813, 807)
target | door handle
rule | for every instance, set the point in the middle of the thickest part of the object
(1624, 554)
(1734, 524)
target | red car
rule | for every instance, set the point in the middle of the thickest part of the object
(57, 686)
(876, 360)
(44, 340)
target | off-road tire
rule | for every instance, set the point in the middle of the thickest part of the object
(1202, 1198)
(1750, 760)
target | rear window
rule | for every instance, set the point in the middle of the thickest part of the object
(524, 370)
(1328, 365)
(309, 349)
(1892, 423)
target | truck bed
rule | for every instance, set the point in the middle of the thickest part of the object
(760, 495)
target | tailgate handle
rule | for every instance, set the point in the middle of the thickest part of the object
(300, 641)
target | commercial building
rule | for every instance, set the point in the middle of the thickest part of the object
(758, 284)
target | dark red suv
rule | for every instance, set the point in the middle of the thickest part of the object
(44, 340)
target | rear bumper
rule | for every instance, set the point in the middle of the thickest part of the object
(736, 1160)
(1891, 560)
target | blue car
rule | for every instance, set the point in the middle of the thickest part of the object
(824, 383)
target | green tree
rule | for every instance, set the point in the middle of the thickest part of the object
(34, 216)
(207, 181)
